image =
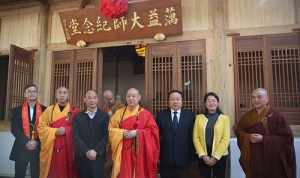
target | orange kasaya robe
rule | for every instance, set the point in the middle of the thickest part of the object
(136, 157)
(57, 152)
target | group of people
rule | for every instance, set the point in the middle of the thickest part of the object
(115, 140)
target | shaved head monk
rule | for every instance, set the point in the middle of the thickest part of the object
(55, 132)
(134, 140)
(265, 140)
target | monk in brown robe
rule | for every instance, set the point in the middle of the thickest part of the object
(266, 141)
(110, 104)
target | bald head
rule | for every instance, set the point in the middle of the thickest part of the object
(107, 93)
(108, 97)
(259, 98)
(260, 91)
(91, 100)
(62, 95)
(133, 97)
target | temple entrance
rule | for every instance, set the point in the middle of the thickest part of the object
(166, 66)
(123, 68)
(4, 60)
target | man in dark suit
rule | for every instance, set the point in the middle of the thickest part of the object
(176, 138)
(26, 147)
(90, 134)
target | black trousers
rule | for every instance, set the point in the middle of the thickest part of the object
(91, 168)
(172, 172)
(216, 171)
(22, 161)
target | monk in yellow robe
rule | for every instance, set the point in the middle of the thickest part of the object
(134, 140)
(55, 132)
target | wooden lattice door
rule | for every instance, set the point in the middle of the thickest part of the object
(284, 60)
(161, 75)
(62, 70)
(192, 74)
(84, 74)
(76, 70)
(176, 66)
(20, 74)
(249, 71)
(271, 62)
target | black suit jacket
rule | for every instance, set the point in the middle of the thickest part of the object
(19, 149)
(90, 134)
(181, 140)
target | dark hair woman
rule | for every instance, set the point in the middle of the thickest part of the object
(211, 138)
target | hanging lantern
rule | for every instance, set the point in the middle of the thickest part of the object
(81, 44)
(113, 8)
(140, 49)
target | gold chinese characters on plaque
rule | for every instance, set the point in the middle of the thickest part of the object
(143, 20)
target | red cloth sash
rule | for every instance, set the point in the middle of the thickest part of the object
(140, 155)
(63, 158)
(25, 119)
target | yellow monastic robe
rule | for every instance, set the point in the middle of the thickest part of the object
(116, 137)
(135, 157)
(47, 135)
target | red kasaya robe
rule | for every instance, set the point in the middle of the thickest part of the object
(274, 157)
(136, 157)
(57, 152)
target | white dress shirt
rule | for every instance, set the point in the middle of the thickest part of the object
(91, 114)
(31, 111)
(178, 114)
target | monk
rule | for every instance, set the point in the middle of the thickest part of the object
(55, 132)
(134, 139)
(266, 141)
(109, 103)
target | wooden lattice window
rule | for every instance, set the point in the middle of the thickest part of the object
(271, 62)
(75, 69)
(176, 66)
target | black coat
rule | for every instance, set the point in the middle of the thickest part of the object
(176, 147)
(19, 149)
(90, 134)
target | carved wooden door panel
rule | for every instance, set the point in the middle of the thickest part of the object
(20, 74)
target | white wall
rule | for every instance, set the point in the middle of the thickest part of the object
(6, 166)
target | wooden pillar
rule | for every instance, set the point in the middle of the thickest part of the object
(297, 11)
(41, 64)
(220, 58)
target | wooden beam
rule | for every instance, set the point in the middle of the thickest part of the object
(84, 3)
(44, 2)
